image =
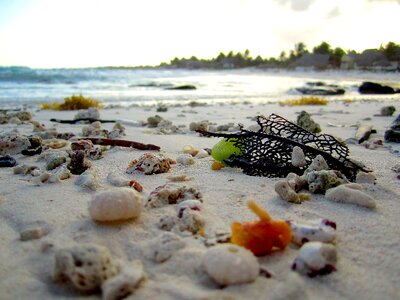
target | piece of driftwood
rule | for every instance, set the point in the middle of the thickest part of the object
(85, 120)
(122, 143)
(268, 152)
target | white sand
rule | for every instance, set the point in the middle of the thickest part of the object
(368, 241)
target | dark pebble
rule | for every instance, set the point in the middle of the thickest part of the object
(7, 161)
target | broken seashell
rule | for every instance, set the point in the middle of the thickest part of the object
(350, 193)
(185, 159)
(171, 194)
(261, 236)
(136, 185)
(229, 264)
(315, 258)
(322, 231)
(88, 180)
(149, 164)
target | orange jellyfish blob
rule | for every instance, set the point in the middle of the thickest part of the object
(262, 236)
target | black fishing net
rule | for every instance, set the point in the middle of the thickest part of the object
(268, 152)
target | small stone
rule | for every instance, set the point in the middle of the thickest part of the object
(90, 113)
(60, 173)
(203, 125)
(153, 121)
(116, 180)
(304, 120)
(88, 180)
(55, 161)
(125, 283)
(315, 258)
(33, 233)
(115, 205)
(350, 193)
(388, 110)
(202, 154)
(298, 157)
(171, 194)
(229, 264)
(7, 161)
(87, 266)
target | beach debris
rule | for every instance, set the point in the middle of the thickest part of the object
(315, 258)
(298, 157)
(311, 100)
(47, 134)
(38, 127)
(322, 230)
(13, 143)
(24, 169)
(53, 161)
(373, 144)
(78, 163)
(186, 220)
(73, 102)
(125, 282)
(320, 88)
(35, 146)
(34, 231)
(86, 266)
(164, 246)
(224, 149)
(321, 181)
(83, 121)
(94, 129)
(152, 122)
(7, 161)
(150, 164)
(202, 153)
(117, 131)
(116, 180)
(396, 168)
(185, 159)
(268, 151)
(189, 204)
(216, 166)
(229, 264)
(182, 87)
(261, 236)
(166, 127)
(393, 134)
(88, 180)
(287, 193)
(189, 149)
(363, 133)
(304, 120)
(350, 193)
(115, 205)
(199, 126)
(136, 185)
(65, 135)
(85, 145)
(363, 177)
(90, 113)
(387, 111)
(14, 116)
(217, 238)
(123, 143)
(171, 193)
(54, 143)
(179, 178)
(60, 173)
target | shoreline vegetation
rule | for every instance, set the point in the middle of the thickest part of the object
(322, 57)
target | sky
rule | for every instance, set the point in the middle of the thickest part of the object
(90, 33)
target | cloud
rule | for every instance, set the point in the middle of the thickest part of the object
(298, 5)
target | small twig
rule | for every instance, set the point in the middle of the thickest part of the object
(122, 143)
(87, 120)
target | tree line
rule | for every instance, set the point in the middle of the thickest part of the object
(244, 59)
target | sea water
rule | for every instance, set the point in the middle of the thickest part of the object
(129, 86)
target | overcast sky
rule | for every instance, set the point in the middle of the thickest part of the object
(85, 33)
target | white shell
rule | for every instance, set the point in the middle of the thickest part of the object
(320, 230)
(185, 159)
(350, 193)
(298, 157)
(125, 283)
(116, 204)
(315, 258)
(202, 154)
(229, 264)
(85, 265)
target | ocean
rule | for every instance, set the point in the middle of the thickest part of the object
(127, 86)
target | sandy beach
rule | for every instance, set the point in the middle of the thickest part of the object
(367, 240)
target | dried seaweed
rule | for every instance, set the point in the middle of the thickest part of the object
(268, 152)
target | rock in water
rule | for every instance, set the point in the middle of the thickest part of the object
(393, 134)
(229, 264)
(115, 205)
(375, 88)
